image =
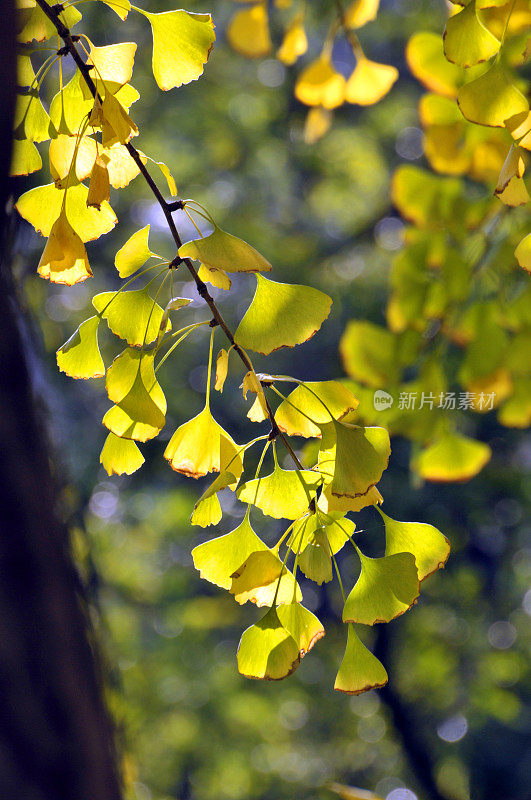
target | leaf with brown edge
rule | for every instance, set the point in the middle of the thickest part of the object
(261, 577)
(360, 671)
(386, 588)
(267, 651)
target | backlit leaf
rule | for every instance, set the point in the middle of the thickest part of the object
(352, 458)
(201, 446)
(218, 559)
(133, 316)
(120, 7)
(61, 154)
(25, 158)
(120, 456)
(267, 651)
(295, 43)
(368, 352)
(140, 407)
(259, 577)
(453, 457)
(360, 671)
(133, 254)
(369, 82)
(319, 84)
(31, 119)
(222, 250)
(386, 588)
(331, 504)
(207, 510)
(39, 27)
(64, 259)
(182, 42)
(466, 40)
(99, 184)
(222, 367)
(304, 626)
(337, 531)
(70, 106)
(428, 545)
(113, 66)
(217, 277)
(523, 253)
(80, 355)
(491, 99)
(427, 62)
(248, 31)
(281, 315)
(315, 559)
(301, 413)
(359, 12)
(282, 494)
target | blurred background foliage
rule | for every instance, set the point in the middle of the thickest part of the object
(454, 716)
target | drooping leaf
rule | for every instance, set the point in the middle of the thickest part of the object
(304, 626)
(64, 259)
(222, 367)
(301, 413)
(70, 106)
(427, 62)
(466, 40)
(133, 254)
(491, 99)
(113, 66)
(133, 316)
(386, 588)
(37, 25)
(315, 559)
(452, 457)
(282, 494)
(295, 43)
(140, 407)
(337, 531)
(331, 504)
(120, 7)
(31, 118)
(182, 42)
(80, 355)
(261, 578)
(25, 158)
(99, 185)
(217, 277)
(360, 671)
(218, 559)
(117, 127)
(360, 12)
(428, 545)
(207, 510)
(61, 154)
(223, 251)
(319, 84)
(281, 315)
(352, 458)
(120, 456)
(200, 446)
(248, 31)
(369, 82)
(267, 651)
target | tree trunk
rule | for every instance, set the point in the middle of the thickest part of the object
(56, 738)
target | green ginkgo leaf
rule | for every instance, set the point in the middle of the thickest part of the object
(31, 119)
(140, 407)
(466, 40)
(262, 579)
(218, 559)
(428, 545)
(41, 208)
(80, 355)
(281, 315)
(385, 589)
(368, 352)
(222, 250)
(452, 457)
(133, 254)
(70, 107)
(133, 316)
(25, 71)
(25, 158)
(120, 456)
(39, 27)
(337, 528)
(282, 494)
(491, 99)
(304, 626)
(360, 671)
(315, 559)
(352, 458)
(201, 445)
(331, 504)
(267, 651)
(311, 404)
(207, 510)
(182, 42)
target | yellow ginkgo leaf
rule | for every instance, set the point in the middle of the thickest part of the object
(25, 158)
(428, 545)
(337, 530)
(61, 153)
(368, 352)
(331, 504)
(262, 578)
(248, 31)
(79, 356)
(304, 626)
(311, 404)
(319, 84)
(359, 12)
(140, 407)
(352, 458)
(360, 671)
(132, 316)
(386, 588)
(120, 7)
(207, 510)
(182, 42)
(281, 315)
(523, 253)
(222, 367)
(218, 559)
(369, 82)
(117, 126)
(427, 62)
(70, 107)
(267, 651)
(31, 119)
(223, 251)
(64, 259)
(42, 206)
(113, 66)
(217, 277)
(295, 43)
(282, 494)
(258, 412)
(514, 166)
(99, 184)
(39, 27)
(120, 456)
(452, 457)
(466, 40)
(201, 446)
(515, 193)
(133, 254)
(318, 123)
(122, 168)
(491, 99)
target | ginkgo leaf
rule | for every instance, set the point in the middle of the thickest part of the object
(386, 588)
(80, 355)
(25, 72)
(222, 367)
(359, 12)
(281, 315)
(64, 259)
(452, 457)
(117, 126)
(133, 254)
(201, 446)
(491, 99)
(311, 404)
(267, 651)
(25, 158)
(331, 504)
(315, 559)
(182, 42)
(99, 184)
(295, 43)
(369, 82)
(70, 107)
(523, 253)
(133, 316)
(207, 510)
(61, 153)
(368, 353)
(427, 62)
(217, 277)
(304, 626)
(515, 193)
(120, 7)
(248, 31)
(466, 40)
(337, 531)
(120, 456)
(352, 458)
(282, 494)
(113, 66)
(222, 250)
(360, 671)
(39, 27)
(31, 118)
(261, 578)
(218, 559)
(423, 198)
(513, 166)
(318, 123)
(319, 84)
(428, 545)
(140, 407)
(41, 207)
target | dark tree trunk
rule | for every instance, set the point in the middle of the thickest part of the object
(56, 739)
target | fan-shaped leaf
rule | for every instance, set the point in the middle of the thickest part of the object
(133, 254)
(352, 458)
(453, 457)
(222, 250)
(369, 82)
(201, 446)
(262, 577)
(248, 31)
(282, 494)
(319, 84)
(301, 413)
(140, 407)
(267, 651)
(428, 545)
(304, 626)
(466, 40)
(182, 42)
(80, 355)
(385, 589)
(360, 671)
(120, 456)
(133, 316)
(491, 99)
(218, 559)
